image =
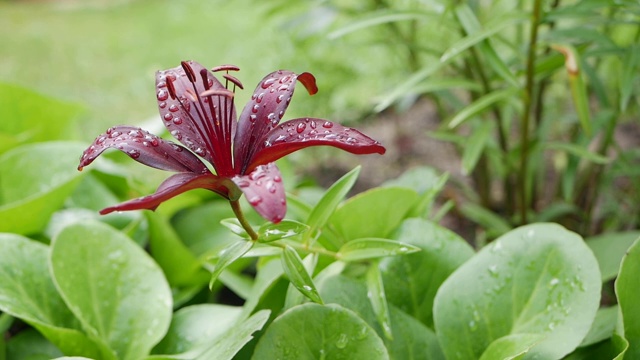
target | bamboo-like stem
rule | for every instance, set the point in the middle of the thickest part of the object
(528, 102)
(235, 206)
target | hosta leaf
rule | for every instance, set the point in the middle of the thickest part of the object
(539, 279)
(311, 331)
(113, 287)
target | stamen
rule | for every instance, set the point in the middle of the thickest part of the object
(192, 95)
(171, 88)
(214, 92)
(225, 68)
(188, 71)
(309, 82)
(234, 80)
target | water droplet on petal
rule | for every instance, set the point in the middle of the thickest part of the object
(162, 95)
(277, 178)
(101, 139)
(268, 82)
(176, 134)
(177, 120)
(300, 128)
(256, 200)
(168, 117)
(162, 105)
(252, 118)
(134, 154)
(255, 108)
(327, 125)
(173, 108)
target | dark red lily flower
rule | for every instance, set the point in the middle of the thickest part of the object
(200, 113)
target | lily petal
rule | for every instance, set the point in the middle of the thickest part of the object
(264, 191)
(297, 134)
(145, 148)
(176, 185)
(204, 124)
(262, 113)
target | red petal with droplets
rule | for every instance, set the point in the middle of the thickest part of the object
(176, 185)
(206, 125)
(309, 82)
(144, 148)
(261, 114)
(297, 134)
(264, 191)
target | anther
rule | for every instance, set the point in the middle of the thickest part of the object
(171, 88)
(205, 79)
(220, 92)
(188, 71)
(225, 68)
(234, 80)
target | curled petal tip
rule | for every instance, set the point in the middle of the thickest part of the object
(309, 82)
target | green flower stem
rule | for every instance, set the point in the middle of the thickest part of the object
(526, 115)
(235, 205)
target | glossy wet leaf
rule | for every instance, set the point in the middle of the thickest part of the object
(329, 201)
(609, 249)
(411, 281)
(282, 230)
(362, 216)
(298, 275)
(372, 248)
(375, 292)
(312, 331)
(28, 292)
(36, 179)
(227, 256)
(235, 227)
(628, 293)
(412, 340)
(116, 291)
(613, 348)
(537, 279)
(197, 325)
(511, 346)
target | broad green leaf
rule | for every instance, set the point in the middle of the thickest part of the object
(482, 104)
(312, 331)
(113, 287)
(474, 147)
(31, 117)
(180, 266)
(577, 150)
(372, 248)
(375, 292)
(36, 179)
(195, 326)
(329, 201)
(269, 274)
(603, 325)
(537, 279)
(614, 348)
(298, 275)
(412, 340)
(628, 292)
(511, 346)
(426, 181)
(227, 256)
(204, 238)
(362, 215)
(27, 292)
(28, 344)
(609, 249)
(411, 281)
(282, 230)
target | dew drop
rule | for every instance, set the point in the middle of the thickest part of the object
(162, 105)
(177, 120)
(300, 128)
(271, 187)
(162, 95)
(162, 84)
(277, 178)
(199, 151)
(168, 117)
(173, 108)
(327, 125)
(342, 341)
(256, 200)
(101, 139)
(252, 118)
(134, 154)
(259, 98)
(313, 124)
(255, 108)
(279, 99)
(268, 82)
(176, 134)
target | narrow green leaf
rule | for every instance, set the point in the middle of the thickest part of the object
(629, 75)
(329, 202)
(578, 151)
(298, 275)
(378, 299)
(577, 85)
(481, 105)
(474, 147)
(372, 248)
(307, 331)
(282, 230)
(234, 225)
(227, 256)
(383, 17)
(113, 287)
(407, 85)
(492, 222)
(628, 292)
